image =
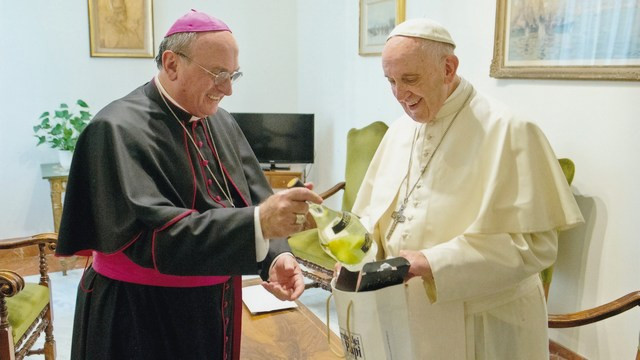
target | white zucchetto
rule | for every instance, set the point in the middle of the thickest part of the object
(423, 28)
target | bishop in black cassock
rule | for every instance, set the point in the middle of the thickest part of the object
(164, 202)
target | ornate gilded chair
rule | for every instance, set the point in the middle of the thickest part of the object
(361, 146)
(25, 309)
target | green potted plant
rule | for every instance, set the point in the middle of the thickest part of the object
(61, 129)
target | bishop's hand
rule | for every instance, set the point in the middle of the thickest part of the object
(284, 213)
(285, 278)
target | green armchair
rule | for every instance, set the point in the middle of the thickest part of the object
(361, 146)
(25, 309)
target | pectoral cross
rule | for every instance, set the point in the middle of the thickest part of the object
(397, 218)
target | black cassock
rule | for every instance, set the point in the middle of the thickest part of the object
(138, 187)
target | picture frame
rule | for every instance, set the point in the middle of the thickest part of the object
(377, 19)
(562, 39)
(121, 28)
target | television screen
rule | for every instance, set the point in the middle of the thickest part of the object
(279, 138)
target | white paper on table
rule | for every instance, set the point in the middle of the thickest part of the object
(259, 300)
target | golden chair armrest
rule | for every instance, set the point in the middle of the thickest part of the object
(11, 283)
(601, 312)
(337, 187)
(49, 239)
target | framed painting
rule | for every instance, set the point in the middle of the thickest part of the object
(565, 39)
(377, 19)
(121, 28)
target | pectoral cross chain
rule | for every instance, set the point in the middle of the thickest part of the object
(397, 218)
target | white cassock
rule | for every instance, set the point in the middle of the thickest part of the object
(485, 213)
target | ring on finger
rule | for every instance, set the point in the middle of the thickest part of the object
(300, 219)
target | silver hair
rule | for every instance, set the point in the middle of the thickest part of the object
(436, 50)
(178, 43)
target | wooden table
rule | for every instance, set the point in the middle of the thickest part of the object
(286, 334)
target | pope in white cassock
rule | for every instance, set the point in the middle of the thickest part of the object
(473, 196)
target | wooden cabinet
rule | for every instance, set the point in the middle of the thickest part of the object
(280, 179)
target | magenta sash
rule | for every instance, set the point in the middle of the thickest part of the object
(118, 266)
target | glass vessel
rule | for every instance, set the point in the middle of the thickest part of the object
(342, 236)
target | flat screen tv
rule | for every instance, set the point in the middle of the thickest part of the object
(279, 138)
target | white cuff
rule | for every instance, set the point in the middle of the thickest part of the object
(277, 257)
(262, 244)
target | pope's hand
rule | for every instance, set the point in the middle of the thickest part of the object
(336, 270)
(419, 265)
(285, 279)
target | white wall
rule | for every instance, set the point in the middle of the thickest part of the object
(44, 60)
(345, 90)
(303, 56)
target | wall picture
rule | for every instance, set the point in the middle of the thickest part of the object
(565, 39)
(377, 19)
(121, 28)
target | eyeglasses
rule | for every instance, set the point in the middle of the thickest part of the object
(220, 78)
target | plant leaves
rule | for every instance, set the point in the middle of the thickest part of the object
(57, 130)
(61, 130)
(78, 124)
